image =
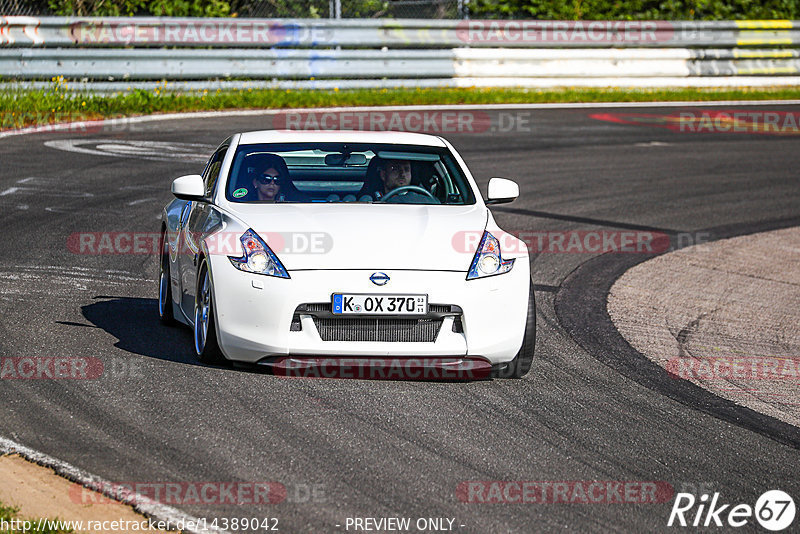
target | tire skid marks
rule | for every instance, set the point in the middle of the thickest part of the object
(59, 281)
(36, 187)
(122, 148)
(44, 187)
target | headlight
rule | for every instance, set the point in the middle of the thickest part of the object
(488, 260)
(258, 257)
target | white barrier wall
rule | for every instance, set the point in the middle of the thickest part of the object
(380, 53)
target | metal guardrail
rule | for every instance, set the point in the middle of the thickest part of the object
(381, 53)
(143, 64)
(180, 64)
(403, 33)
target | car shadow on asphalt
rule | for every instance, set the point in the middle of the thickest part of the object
(135, 323)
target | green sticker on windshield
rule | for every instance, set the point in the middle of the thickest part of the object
(239, 193)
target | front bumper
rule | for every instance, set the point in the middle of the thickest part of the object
(254, 312)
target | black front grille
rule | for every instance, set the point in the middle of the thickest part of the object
(377, 329)
(392, 329)
(296, 325)
(316, 306)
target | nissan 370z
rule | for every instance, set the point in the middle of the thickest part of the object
(296, 246)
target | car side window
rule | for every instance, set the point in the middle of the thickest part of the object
(211, 174)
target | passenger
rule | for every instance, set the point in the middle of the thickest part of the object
(270, 175)
(268, 185)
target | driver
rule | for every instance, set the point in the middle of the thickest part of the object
(396, 173)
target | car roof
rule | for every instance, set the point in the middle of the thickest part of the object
(339, 136)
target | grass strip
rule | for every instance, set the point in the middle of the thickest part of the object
(58, 103)
(10, 523)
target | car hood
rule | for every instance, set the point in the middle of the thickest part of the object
(368, 236)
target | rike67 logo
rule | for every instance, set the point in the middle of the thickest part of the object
(774, 510)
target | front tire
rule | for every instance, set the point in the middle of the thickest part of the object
(205, 332)
(165, 310)
(521, 364)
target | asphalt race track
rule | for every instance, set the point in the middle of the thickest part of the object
(590, 409)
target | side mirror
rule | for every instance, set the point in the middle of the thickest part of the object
(502, 191)
(189, 187)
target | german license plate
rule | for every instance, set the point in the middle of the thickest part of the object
(361, 304)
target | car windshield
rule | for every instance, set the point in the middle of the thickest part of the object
(353, 172)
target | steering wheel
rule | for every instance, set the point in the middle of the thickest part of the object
(402, 189)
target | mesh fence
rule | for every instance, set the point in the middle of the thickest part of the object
(415, 9)
(398, 9)
(23, 8)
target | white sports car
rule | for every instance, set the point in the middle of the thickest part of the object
(293, 247)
